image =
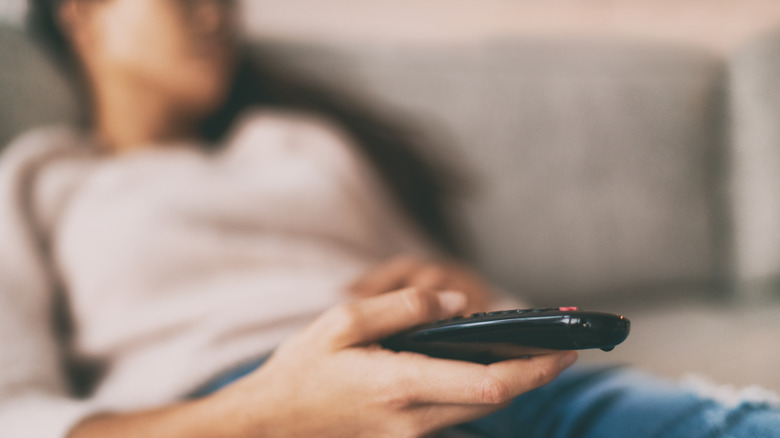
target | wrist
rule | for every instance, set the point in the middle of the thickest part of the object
(244, 410)
(208, 417)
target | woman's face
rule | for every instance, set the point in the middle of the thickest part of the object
(184, 50)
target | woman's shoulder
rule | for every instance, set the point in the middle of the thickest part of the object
(22, 171)
(40, 143)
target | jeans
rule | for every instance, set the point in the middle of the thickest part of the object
(605, 403)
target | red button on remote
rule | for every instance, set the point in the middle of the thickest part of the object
(568, 309)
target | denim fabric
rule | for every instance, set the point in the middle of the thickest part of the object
(620, 403)
(227, 378)
(604, 403)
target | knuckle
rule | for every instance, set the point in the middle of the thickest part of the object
(426, 420)
(418, 303)
(344, 319)
(415, 427)
(419, 431)
(544, 375)
(494, 391)
(396, 398)
(409, 429)
(397, 392)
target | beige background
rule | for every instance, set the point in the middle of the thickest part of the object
(717, 24)
(720, 25)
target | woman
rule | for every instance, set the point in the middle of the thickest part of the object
(179, 260)
(188, 230)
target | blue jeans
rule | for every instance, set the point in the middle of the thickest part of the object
(606, 403)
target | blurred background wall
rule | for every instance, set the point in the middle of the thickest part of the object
(717, 24)
(720, 25)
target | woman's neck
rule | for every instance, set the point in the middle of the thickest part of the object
(129, 118)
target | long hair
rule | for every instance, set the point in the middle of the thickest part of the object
(397, 151)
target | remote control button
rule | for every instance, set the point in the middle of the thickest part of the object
(496, 313)
(568, 309)
(543, 309)
(519, 311)
(477, 315)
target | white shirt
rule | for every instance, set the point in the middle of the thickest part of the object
(176, 264)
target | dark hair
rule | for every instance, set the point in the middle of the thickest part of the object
(396, 150)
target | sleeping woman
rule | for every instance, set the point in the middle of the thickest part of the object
(216, 250)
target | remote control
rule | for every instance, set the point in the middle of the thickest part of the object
(509, 334)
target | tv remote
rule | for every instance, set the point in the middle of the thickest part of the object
(489, 337)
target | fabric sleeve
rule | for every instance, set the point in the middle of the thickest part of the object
(34, 394)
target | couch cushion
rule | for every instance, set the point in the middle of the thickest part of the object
(755, 104)
(597, 162)
(32, 92)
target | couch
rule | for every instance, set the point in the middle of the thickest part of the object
(627, 176)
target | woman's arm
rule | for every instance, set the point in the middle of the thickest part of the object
(333, 380)
(209, 417)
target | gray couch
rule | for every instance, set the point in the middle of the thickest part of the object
(624, 176)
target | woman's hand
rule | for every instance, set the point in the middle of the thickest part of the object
(333, 380)
(406, 271)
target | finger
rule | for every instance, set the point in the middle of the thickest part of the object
(459, 382)
(372, 319)
(386, 277)
(429, 277)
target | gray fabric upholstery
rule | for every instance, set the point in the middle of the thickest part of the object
(755, 105)
(32, 92)
(594, 160)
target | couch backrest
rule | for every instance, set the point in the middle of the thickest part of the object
(598, 163)
(32, 92)
(755, 166)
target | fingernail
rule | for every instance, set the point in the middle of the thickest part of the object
(451, 303)
(568, 359)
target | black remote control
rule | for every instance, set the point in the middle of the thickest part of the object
(509, 334)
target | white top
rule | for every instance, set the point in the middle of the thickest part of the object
(177, 264)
